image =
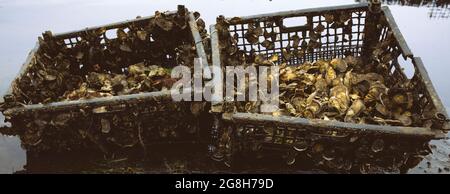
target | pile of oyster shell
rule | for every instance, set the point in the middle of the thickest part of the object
(141, 78)
(339, 89)
(347, 89)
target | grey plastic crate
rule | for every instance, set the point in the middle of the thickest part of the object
(239, 135)
(136, 120)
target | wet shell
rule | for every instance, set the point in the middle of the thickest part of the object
(291, 109)
(377, 145)
(287, 54)
(339, 98)
(290, 158)
(197, 108)
(295, 41)
(375, 91)
(321, 84)
(260, 59)
(301, 146)
(62, 120)
(405, 119)
(349, 79)
(319, 28)
(329, 18)
(355, 109)
(339, 65)
(142, 35)
(399, 98)
(162, 22)
(268, 44)
(313, 109)
(106, 126)
(251, 38)
(351, 60)
(329, 154)
(308, 79)
(288, 74)
(318, 148)
(382, 109)
(137, 69)
(330, 75)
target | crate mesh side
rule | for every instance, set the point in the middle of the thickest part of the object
(166, 40)
(398, 70)
(334, 41)
(327, 149)
(129, 125)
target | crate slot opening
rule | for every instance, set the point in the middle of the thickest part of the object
(294, 22)
(406, 66)
(111, 34)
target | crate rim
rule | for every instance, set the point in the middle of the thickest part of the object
(290, 121)
(108, 26)
(102, 100)
(298, 12)
(406, 53)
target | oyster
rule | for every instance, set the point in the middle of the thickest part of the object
(377, 145)
(287, 54)
(330, 75)
(301, 146)
(253, 33)
(319, 28)
(355, 109)
(106, 126)
(375, 91)
(339, 98)
(268, 44)
(321, 84)
(288, 74)
(163, 22)
(329, 18)
(339, 65)
(312, 109)
(295, 41)
(318, 148)
(137, 69)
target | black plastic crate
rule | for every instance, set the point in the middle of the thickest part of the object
(333, 145)
(121, 121)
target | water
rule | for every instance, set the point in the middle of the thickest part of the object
(425, 29)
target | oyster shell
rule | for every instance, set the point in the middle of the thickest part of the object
(339, 65)
(339, 98)
(355, 109)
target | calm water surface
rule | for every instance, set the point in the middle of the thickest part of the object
(426, 29)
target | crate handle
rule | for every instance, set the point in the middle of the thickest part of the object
(300, 24)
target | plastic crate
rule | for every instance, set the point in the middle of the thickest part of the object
(241, 135)
(128, 121)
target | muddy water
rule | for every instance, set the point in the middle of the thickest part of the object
(426, 29)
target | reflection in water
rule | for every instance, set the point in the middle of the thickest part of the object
(440, 12)
(439, 9)
(173, 160)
